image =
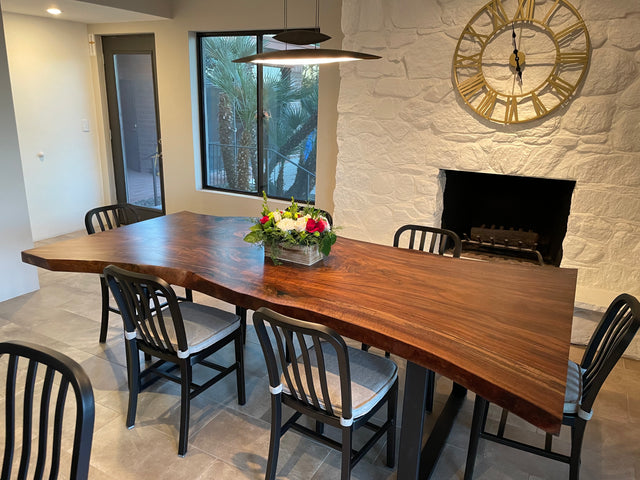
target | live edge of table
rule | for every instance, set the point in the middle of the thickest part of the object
(502, 331)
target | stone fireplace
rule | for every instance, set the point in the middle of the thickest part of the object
(506, 215)
(402, 124)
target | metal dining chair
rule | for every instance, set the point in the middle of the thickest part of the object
(438, 241)
(613, 335)
(328, 382)
(105, 218)
(180, 335)
(37, 406)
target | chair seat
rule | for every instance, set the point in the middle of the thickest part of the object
(203, 326)
(573, 392)
(371, 378)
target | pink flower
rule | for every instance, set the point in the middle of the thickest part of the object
(264, 219)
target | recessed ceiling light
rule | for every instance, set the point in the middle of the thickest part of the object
(54, 11)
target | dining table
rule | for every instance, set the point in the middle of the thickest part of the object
(498, 329)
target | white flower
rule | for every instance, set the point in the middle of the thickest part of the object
(286, 224)
(301, 223)
(277, 216)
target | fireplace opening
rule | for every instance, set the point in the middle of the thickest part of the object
(509, 216)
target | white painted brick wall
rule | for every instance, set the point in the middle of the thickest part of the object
(401, 120)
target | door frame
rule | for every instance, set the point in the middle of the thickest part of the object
(129, 44)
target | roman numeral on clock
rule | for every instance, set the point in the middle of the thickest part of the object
(525, 11)
(511, 110)
(498, 15)
(572, 57)
(561, 86)
(471, 86)
(488, 103)
(467, 61)
(538, 106)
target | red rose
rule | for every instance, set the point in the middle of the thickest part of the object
(315, 226)
(264, 219)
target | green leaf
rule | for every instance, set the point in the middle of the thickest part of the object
(252, 237)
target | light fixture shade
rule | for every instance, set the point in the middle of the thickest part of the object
(304, 56)
(301, 37)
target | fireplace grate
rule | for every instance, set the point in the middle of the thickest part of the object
(511, 241)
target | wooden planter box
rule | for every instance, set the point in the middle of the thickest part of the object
(301, 254)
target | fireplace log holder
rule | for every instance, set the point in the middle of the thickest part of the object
(510, 240)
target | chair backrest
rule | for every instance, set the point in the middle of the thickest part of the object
(41, 386)
(137, 296)
(326, 215)
(611, 338)
(305, 378)
(109, 217)
(431, 239)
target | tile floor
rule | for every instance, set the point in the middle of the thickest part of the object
(228, 441)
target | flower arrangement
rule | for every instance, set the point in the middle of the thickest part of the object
(295, 226)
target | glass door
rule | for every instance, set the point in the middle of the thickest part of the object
(133, 118)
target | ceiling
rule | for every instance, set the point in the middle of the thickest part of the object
(82, 11)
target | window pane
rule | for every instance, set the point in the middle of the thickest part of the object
(285, 166)
(230, 113)
(290, 100)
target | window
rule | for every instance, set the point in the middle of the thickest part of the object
(247, 152)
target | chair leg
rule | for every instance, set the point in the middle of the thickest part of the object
(188, 294)
(185, 406)
(133, 373)
(365, 347)
(104, 321)
(240, 369)
(474, 437)
(242, 313)
(346, 453)
(319, 427)
(577, 435)
(392, 409)
(274, 442)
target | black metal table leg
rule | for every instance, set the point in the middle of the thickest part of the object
(438, 436)
(416, 463)
(413, 405)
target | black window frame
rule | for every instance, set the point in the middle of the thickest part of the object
(261, 182)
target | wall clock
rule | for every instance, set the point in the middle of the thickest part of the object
(519, 60)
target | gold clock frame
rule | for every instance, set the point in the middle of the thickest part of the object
(556, 90)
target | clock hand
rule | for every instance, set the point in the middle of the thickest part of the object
(515, 52)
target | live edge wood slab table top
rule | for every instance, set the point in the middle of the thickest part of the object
(502, 331)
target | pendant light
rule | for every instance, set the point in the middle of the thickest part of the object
(305, 55)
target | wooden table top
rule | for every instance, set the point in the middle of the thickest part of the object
(503, 331)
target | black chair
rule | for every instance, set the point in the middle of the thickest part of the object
(326, 215)
(609, 341)
(179, 336)
(430, 240)
(329, 382)
(105, 218)
(39, 389)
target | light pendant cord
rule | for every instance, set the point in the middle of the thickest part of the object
(317, 18)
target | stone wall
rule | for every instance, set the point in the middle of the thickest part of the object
(401, 121)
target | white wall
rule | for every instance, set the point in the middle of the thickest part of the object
(50, 71)
(15, 232)
(401, 120)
